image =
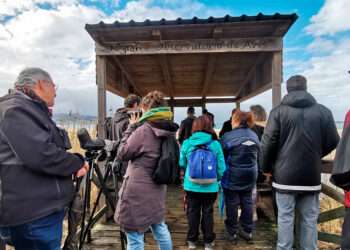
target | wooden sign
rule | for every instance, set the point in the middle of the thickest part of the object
(190, 46)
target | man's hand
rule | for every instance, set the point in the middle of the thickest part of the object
(83, 171)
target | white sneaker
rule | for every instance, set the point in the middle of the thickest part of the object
(191, 245)
(209, 246)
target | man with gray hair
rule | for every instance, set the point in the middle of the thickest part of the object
(299, 133)
(35, 168)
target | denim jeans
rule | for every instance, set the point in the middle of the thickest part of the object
(345, 244)
(160, 233)
(308, 207)
(200, 211)
(41, 234)
(234, 200)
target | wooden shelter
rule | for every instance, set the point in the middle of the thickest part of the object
(193, 61)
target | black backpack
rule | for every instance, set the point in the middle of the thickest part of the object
(167, 170)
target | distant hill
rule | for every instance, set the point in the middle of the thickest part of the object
(73, 117)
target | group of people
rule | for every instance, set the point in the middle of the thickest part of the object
(36, 170)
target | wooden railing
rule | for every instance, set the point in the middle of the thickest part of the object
(332, 214)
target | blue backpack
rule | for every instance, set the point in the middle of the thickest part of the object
(202, 165)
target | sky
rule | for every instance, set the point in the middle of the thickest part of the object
(50, 34)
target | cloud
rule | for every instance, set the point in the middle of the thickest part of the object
(332, 18)
(50, 34)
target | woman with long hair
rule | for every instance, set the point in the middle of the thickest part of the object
(202, 159)
(141, 204)
(241, 147)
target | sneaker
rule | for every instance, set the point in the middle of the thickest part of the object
(247, 236)
(191, 245)
(209, 246)
(231, 238)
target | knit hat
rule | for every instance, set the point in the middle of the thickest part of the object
(297, 82)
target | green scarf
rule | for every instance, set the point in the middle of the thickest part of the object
(161, 113)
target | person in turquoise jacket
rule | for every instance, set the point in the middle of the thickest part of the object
(200, 198)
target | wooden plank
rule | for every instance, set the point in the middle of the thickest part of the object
(209, 73)
(327, 166)
(101, 81)
(327, 237)
(256, 92)
(333, 214)
(222, 45)
(276, 78)
(127, 75)
(197, 102)
(331, 192)
(164, 65)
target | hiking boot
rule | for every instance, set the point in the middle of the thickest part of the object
(191, 245)
(246, 236)
(209, 246)
(231, 238)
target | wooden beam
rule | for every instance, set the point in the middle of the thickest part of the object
(330, 238)
(164, 65)
(213, 45)
(332, 214)
(198, 102)
(256, 92)
(333, 193)
(101, 81)
(276, 78)
(250, 74)
(209, 73)
(126, 74)
(327, 166)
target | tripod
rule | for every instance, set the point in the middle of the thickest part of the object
(95, 175)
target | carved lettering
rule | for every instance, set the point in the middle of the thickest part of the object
(191, 46)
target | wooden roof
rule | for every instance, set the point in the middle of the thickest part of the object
(214, 57)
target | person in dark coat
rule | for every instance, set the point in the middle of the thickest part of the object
(341, 177)
(227, 126)
(241, 147)
(185, 130)
(299, 133)
(120, 122)
(141, 203)
(35, 169)
(259, 115)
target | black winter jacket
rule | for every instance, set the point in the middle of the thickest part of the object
(120, 123)
(35, 169)
(298, 134)
(185, 131)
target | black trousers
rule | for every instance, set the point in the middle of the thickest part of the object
(345, 245)
(234, 200)
(200, 212)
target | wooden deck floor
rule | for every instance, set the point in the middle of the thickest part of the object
(106, 236)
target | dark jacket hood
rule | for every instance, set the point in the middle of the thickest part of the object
(163, 128)
(299, 99)
(19, 97)
(121, 114)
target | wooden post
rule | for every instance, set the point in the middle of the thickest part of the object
(276, 78)
(238, 105)
(101, 81)
(203, 104)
